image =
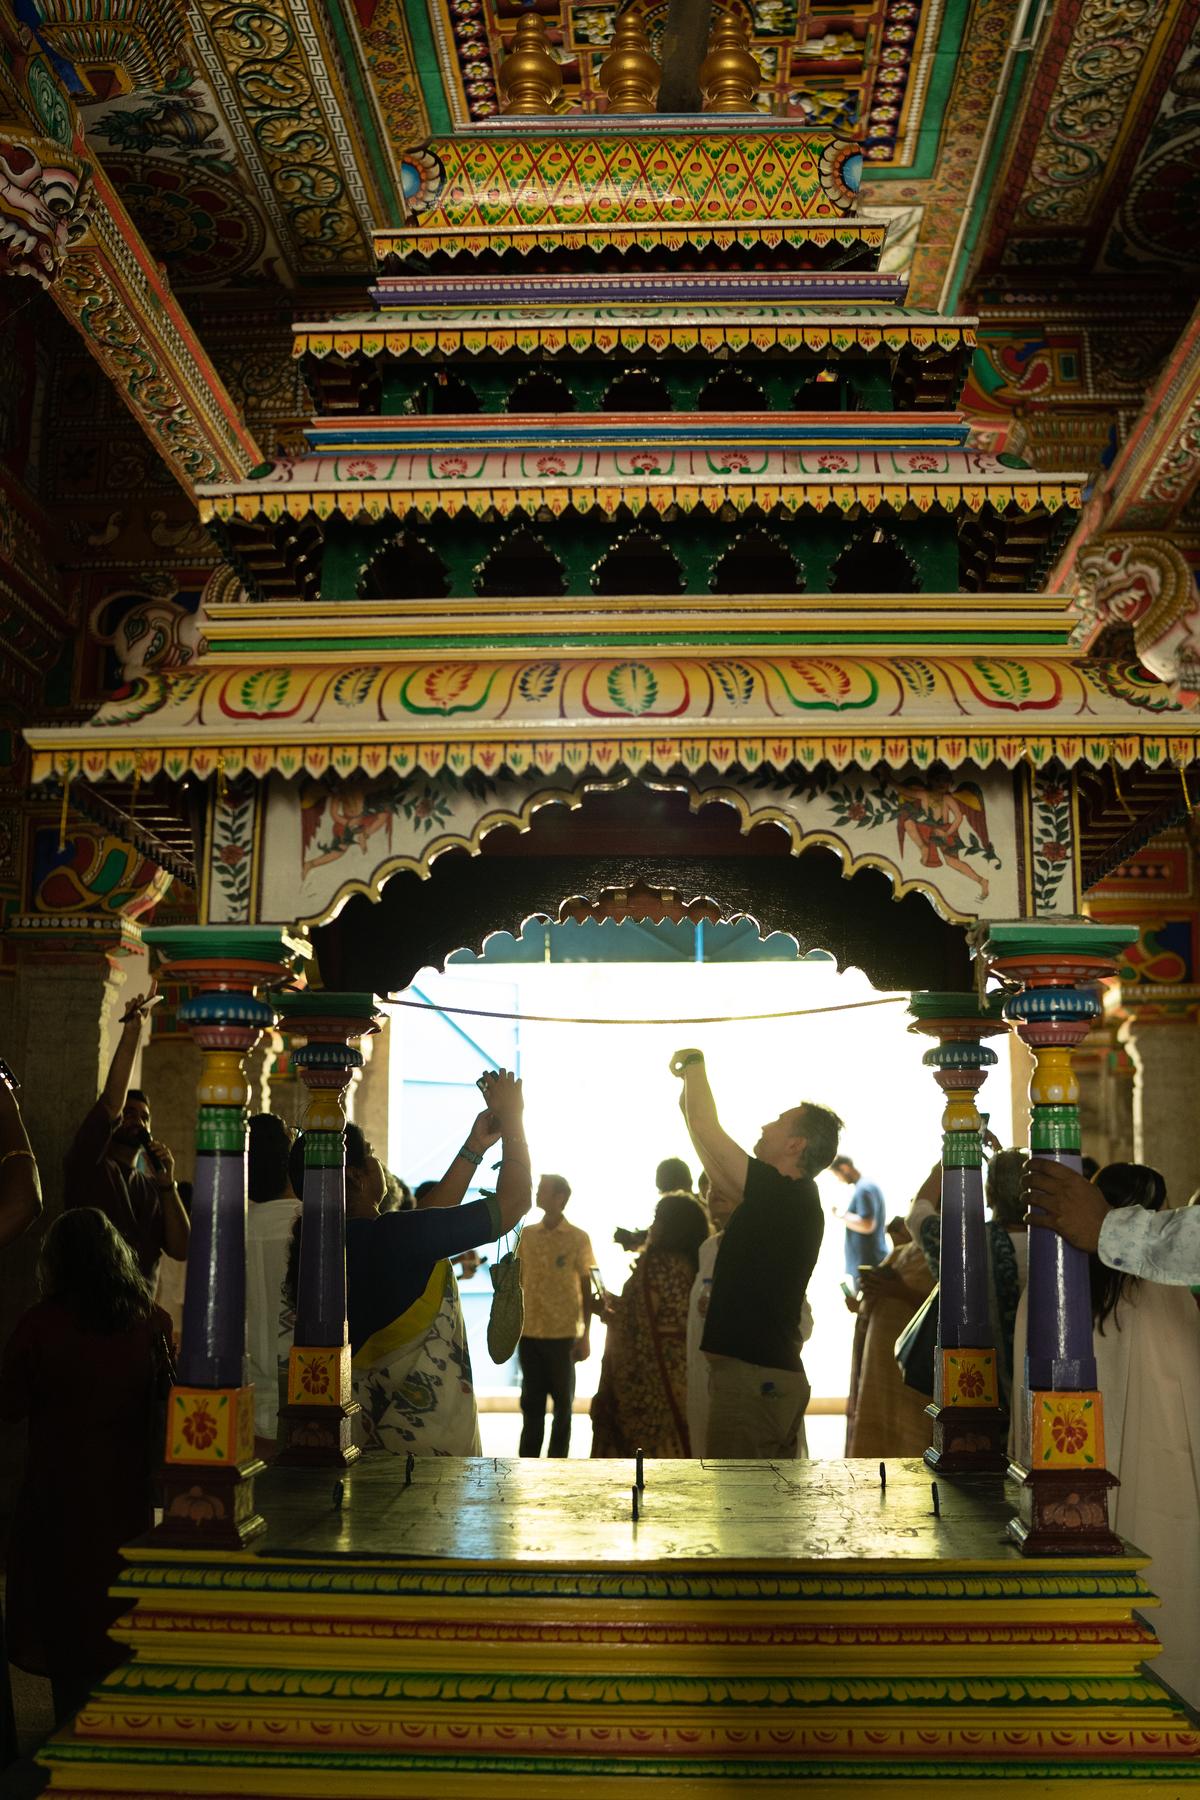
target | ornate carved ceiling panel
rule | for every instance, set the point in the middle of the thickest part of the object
(1100, 169)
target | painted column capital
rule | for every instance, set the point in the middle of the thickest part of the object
(970, 1427)
(325, 1027)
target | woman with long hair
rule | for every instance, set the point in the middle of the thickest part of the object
(82, 1368)
(641, 1400)
(1146, 1339)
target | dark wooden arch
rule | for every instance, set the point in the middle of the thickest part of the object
(641, 838)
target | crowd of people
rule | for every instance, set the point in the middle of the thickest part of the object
(702, 1348)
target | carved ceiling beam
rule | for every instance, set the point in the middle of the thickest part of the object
(62, 223)
(1157, 473)
(279, 71)
(1122, 557)
(118, 299)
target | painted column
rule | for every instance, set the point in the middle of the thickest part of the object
(1055, 970)
(316, 1425)
(1162, 1038)
(210, 1466)
(970, 1429)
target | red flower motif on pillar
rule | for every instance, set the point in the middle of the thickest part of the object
(200, 1428)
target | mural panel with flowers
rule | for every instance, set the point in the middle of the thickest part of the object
(950, 836)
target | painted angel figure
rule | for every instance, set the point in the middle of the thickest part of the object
(933, 816)
(350, 820)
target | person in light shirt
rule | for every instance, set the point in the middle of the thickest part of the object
(556, 1263)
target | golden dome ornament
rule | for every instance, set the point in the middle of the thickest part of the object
(629, 74)
(729, 74)
(529, 77)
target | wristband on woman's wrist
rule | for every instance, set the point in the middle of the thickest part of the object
(695, 1057)
(470, 1156)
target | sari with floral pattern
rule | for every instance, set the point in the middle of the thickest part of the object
(413, 1378)
(641, 1401)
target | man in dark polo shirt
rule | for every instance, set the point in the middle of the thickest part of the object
(101, 1165)
(756, 1382)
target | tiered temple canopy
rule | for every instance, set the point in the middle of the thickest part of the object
(633, 388)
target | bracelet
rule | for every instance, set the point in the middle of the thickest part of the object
(470, 1156)
(9, 1154)
(695, 1057)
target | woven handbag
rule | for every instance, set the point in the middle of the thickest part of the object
(507, 1317)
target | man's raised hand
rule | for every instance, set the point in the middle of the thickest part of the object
(683, 1060)
(1065, 1201)
(139, 1007)
(505, 1100)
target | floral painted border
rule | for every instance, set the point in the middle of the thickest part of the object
(232, 855)
(1052, 843)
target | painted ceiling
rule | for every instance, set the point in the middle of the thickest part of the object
(268, 149)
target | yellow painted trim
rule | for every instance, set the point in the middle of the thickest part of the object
(409, 1326)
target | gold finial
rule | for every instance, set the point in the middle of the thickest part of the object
(530, 79)
(729, 74)
(629, 74)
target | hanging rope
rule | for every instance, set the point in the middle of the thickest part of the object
(803, 1012)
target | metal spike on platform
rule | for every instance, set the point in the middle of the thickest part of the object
(883, 1475)
(634, 1491)
(937, 1505)
(641, 1472)
(339, 1493)
(410, 1462)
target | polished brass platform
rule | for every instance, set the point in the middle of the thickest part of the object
(506, 1628)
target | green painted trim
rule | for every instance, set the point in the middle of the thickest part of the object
(962, 1150)
(153, 1680)
(987, 186)
(937, 96)
(324, 1150)
(855, 1776)
(370, 124)
(241, 943)
(1054, 1128)
(324, 1003)
(277, 647)
(221, 1130)
(928, 1005)
(1053, 937)
(429, 69)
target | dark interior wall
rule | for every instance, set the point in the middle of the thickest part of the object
(641, 838)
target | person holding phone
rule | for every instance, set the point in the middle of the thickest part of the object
(104, 1166)
(757, 1388)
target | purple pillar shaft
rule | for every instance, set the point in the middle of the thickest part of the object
(213, 1351)
(964, 1318)
(321, 1289)
(1059, 1353)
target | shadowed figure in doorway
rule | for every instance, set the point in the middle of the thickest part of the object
(556, 1261)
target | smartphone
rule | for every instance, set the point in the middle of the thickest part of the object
(847, 1290)
(155, 1163)
(597, 1281)
(8, 1079)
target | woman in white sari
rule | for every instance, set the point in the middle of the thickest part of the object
(1146, 1339)
(412, 1368)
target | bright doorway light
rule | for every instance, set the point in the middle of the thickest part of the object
(602, 1106)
